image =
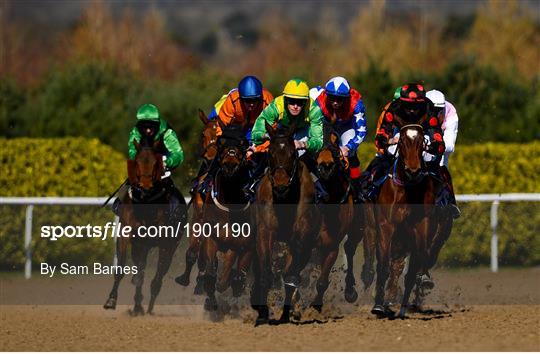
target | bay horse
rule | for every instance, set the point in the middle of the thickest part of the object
(284, 211)
(404, 216)
(228, 206)
(444, 220)
(340, 217)
(147, 205)
(209, 152)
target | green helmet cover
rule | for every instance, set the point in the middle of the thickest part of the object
(397, 93)
(148, 112)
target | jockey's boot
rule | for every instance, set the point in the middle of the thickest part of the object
(374, 176)
(448, 186)
(321, 195)
(356, 186)
(256, 173)
(176, 201)
(456, 213)
(355, 174)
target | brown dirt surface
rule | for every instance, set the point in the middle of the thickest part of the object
(473, 310)
(90, 328)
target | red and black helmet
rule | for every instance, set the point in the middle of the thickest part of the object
(413, 92)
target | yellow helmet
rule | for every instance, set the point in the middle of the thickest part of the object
(296, 88)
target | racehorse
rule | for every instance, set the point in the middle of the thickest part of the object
(209, 152)
(339, 216)
(404, 216)
(444, 220)
(147, 205)
(228, 209)
(284, 211)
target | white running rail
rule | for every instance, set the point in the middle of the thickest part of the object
(30, 202)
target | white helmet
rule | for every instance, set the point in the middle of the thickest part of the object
(437, 97)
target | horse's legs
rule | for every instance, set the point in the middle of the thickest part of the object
(164, 262)
(410, 279)
(397, 264)
(443, 233)
(300, 254)
(238, 281)
(369, 238)
(121, 255)
(225, 276)
(386, 230)
(201, 265)
(139, 253)
(416, 263)
(209, 248)
(262, 271)
(350, 249)
(191, 259)
(329, 254)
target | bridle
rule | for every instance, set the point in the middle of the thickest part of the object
(422, 174)
(154, 193)
(283, 189)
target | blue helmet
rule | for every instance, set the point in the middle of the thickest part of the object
(250, 87)
(338, 86)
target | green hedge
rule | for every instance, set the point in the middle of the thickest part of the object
(56, 167)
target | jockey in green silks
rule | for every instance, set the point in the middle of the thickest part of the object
(152, 127)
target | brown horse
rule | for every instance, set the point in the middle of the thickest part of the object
(147, 205)
(285, 212)
(404, 216)
(209, 152)
(339, 217)
(228, 209)
(444, 220)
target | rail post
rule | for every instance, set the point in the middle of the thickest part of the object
(494, 238)
(28, 241)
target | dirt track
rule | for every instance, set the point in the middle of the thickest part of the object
(477, 310)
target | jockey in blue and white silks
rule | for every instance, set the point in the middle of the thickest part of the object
(342, 107)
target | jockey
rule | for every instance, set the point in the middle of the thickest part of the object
(151, 126)
(342, 107)
(447, 115)
(411, 107)
(242, 105)
(294, 106)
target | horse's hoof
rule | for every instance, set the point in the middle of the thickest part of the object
(137, 311)
(199, 287)
(402, 311)
(220, 287)
(317, 307)
(182, 280)
(285, 318)
(261, 321)
(110, 304)
(351, 295)
(210, 305)
(379, 311)
(367, 277)
(238, 285)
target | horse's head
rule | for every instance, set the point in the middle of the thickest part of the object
(283, 157)
(232, 146)
(209, 138)
(147, 168)
(330, 160)
(410, 147)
